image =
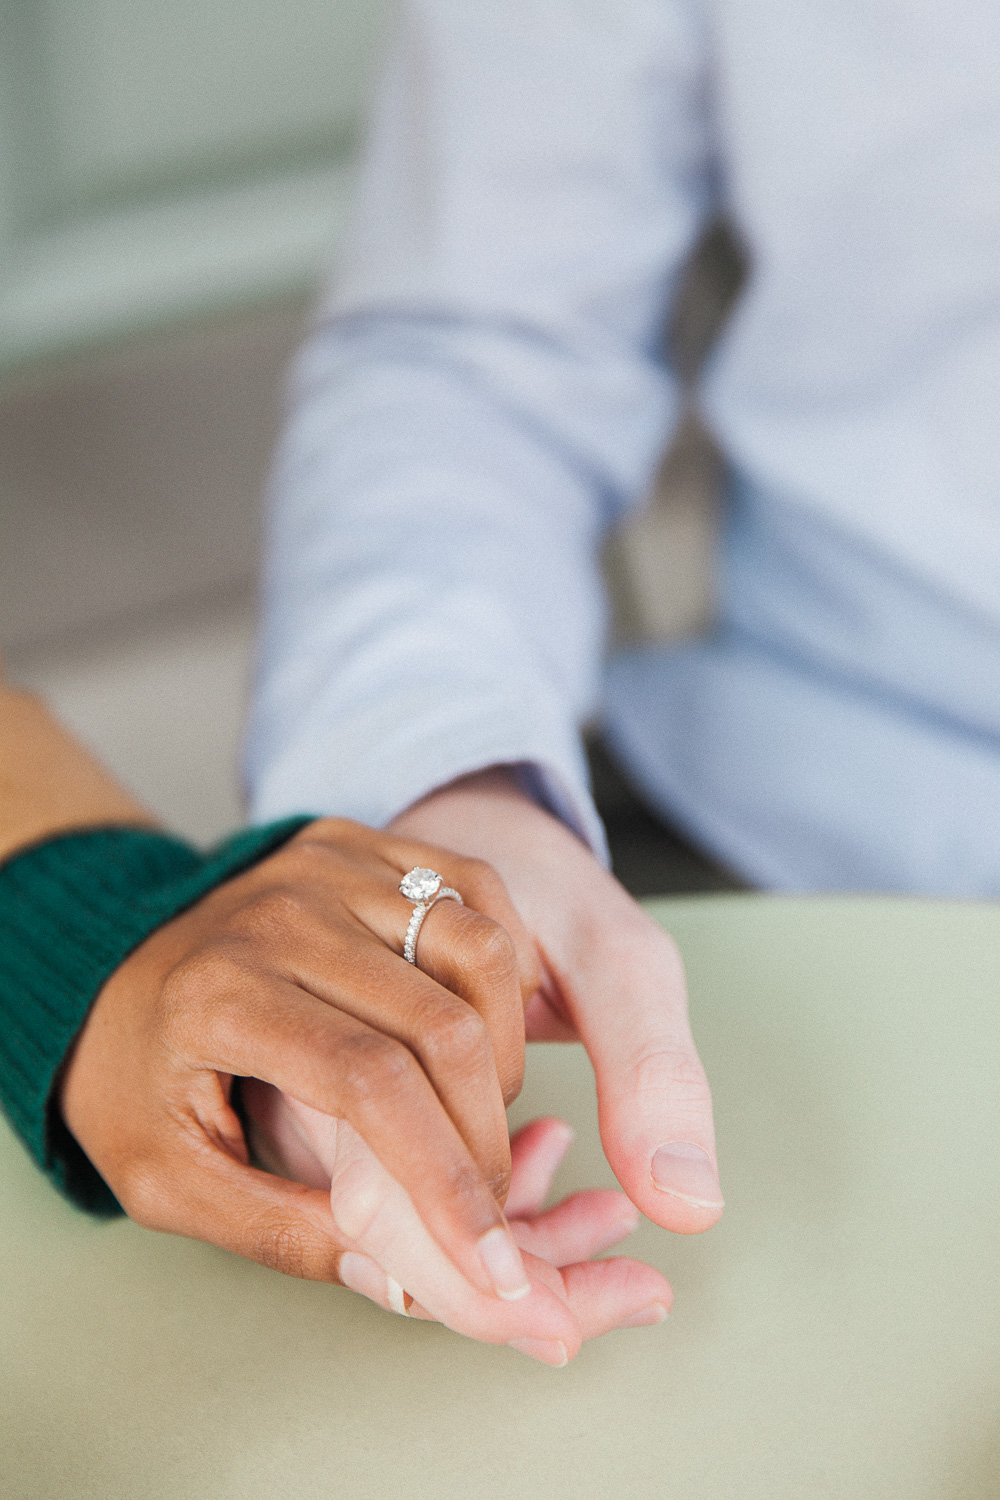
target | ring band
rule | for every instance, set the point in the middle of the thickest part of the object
(425, 888)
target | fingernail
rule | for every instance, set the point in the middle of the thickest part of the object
(685, 1171)
(360, 1273)
(654, 1313)
(504, 1265)
(549, 1351)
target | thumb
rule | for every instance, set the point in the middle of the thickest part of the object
(281, 1224)
(628, 999)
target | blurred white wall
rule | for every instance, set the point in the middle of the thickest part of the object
(172, 185)
(164, 161)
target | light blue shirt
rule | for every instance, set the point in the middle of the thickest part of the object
(485, 395)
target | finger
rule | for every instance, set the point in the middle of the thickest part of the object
(580, 1227)
(543, 1022)
(275, 1136)
(387, 857)
(294, 1141)
(607, 1294)
(197, 1189)
(270, 1029)
(396, 1239)
(479, 951)
(470, 954)
(397, 1254)
(281, 1145)
(474, 957)
(603, 1296)
(655, 1107)
(536, 1152)
(363, 979)
(482, 890)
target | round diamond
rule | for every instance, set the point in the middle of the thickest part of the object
(420, 885)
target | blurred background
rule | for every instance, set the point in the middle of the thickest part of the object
(173, 185)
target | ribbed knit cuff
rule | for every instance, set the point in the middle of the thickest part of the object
(71, 910)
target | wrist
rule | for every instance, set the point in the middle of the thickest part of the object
(71, 911)
(52, 785)
(524, 788)
(469, 813)
(499, 783)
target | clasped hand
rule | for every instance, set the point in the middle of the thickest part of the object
(373, 1091)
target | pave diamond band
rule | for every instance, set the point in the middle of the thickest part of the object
(425, 888)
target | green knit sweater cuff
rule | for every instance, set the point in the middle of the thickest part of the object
(71, 910)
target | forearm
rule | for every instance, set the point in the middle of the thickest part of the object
(433, 601)
(85, 877)
(487, 396)
(49, 783)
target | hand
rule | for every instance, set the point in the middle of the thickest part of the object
(572, 1298)
(611, 977)
(291, 973)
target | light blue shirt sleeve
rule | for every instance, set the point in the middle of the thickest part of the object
(484, 394)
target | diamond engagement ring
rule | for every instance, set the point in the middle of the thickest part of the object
(425, 888)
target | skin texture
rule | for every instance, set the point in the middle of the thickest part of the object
(572, 1298)
(376, 1090)
(609, 976)
(287, 974)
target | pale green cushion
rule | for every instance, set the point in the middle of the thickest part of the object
(836, 1336)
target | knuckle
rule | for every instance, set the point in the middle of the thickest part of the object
(357, 1198)
(374, 1066)
(193, 994)
(457, 1033)
(488, 949)
(463, 1183)
(193, 982)
(280, 907)
(635, 933)
(325, 831)
(671, 954)
(676, 1070)
(142, 1195)
(310, 853)
(281, 1245)
(325, 845)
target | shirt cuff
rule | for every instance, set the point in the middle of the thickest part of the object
(372, 763)
(568, 800)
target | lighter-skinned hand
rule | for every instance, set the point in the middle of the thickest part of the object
(572, 1298)
(610, 977)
